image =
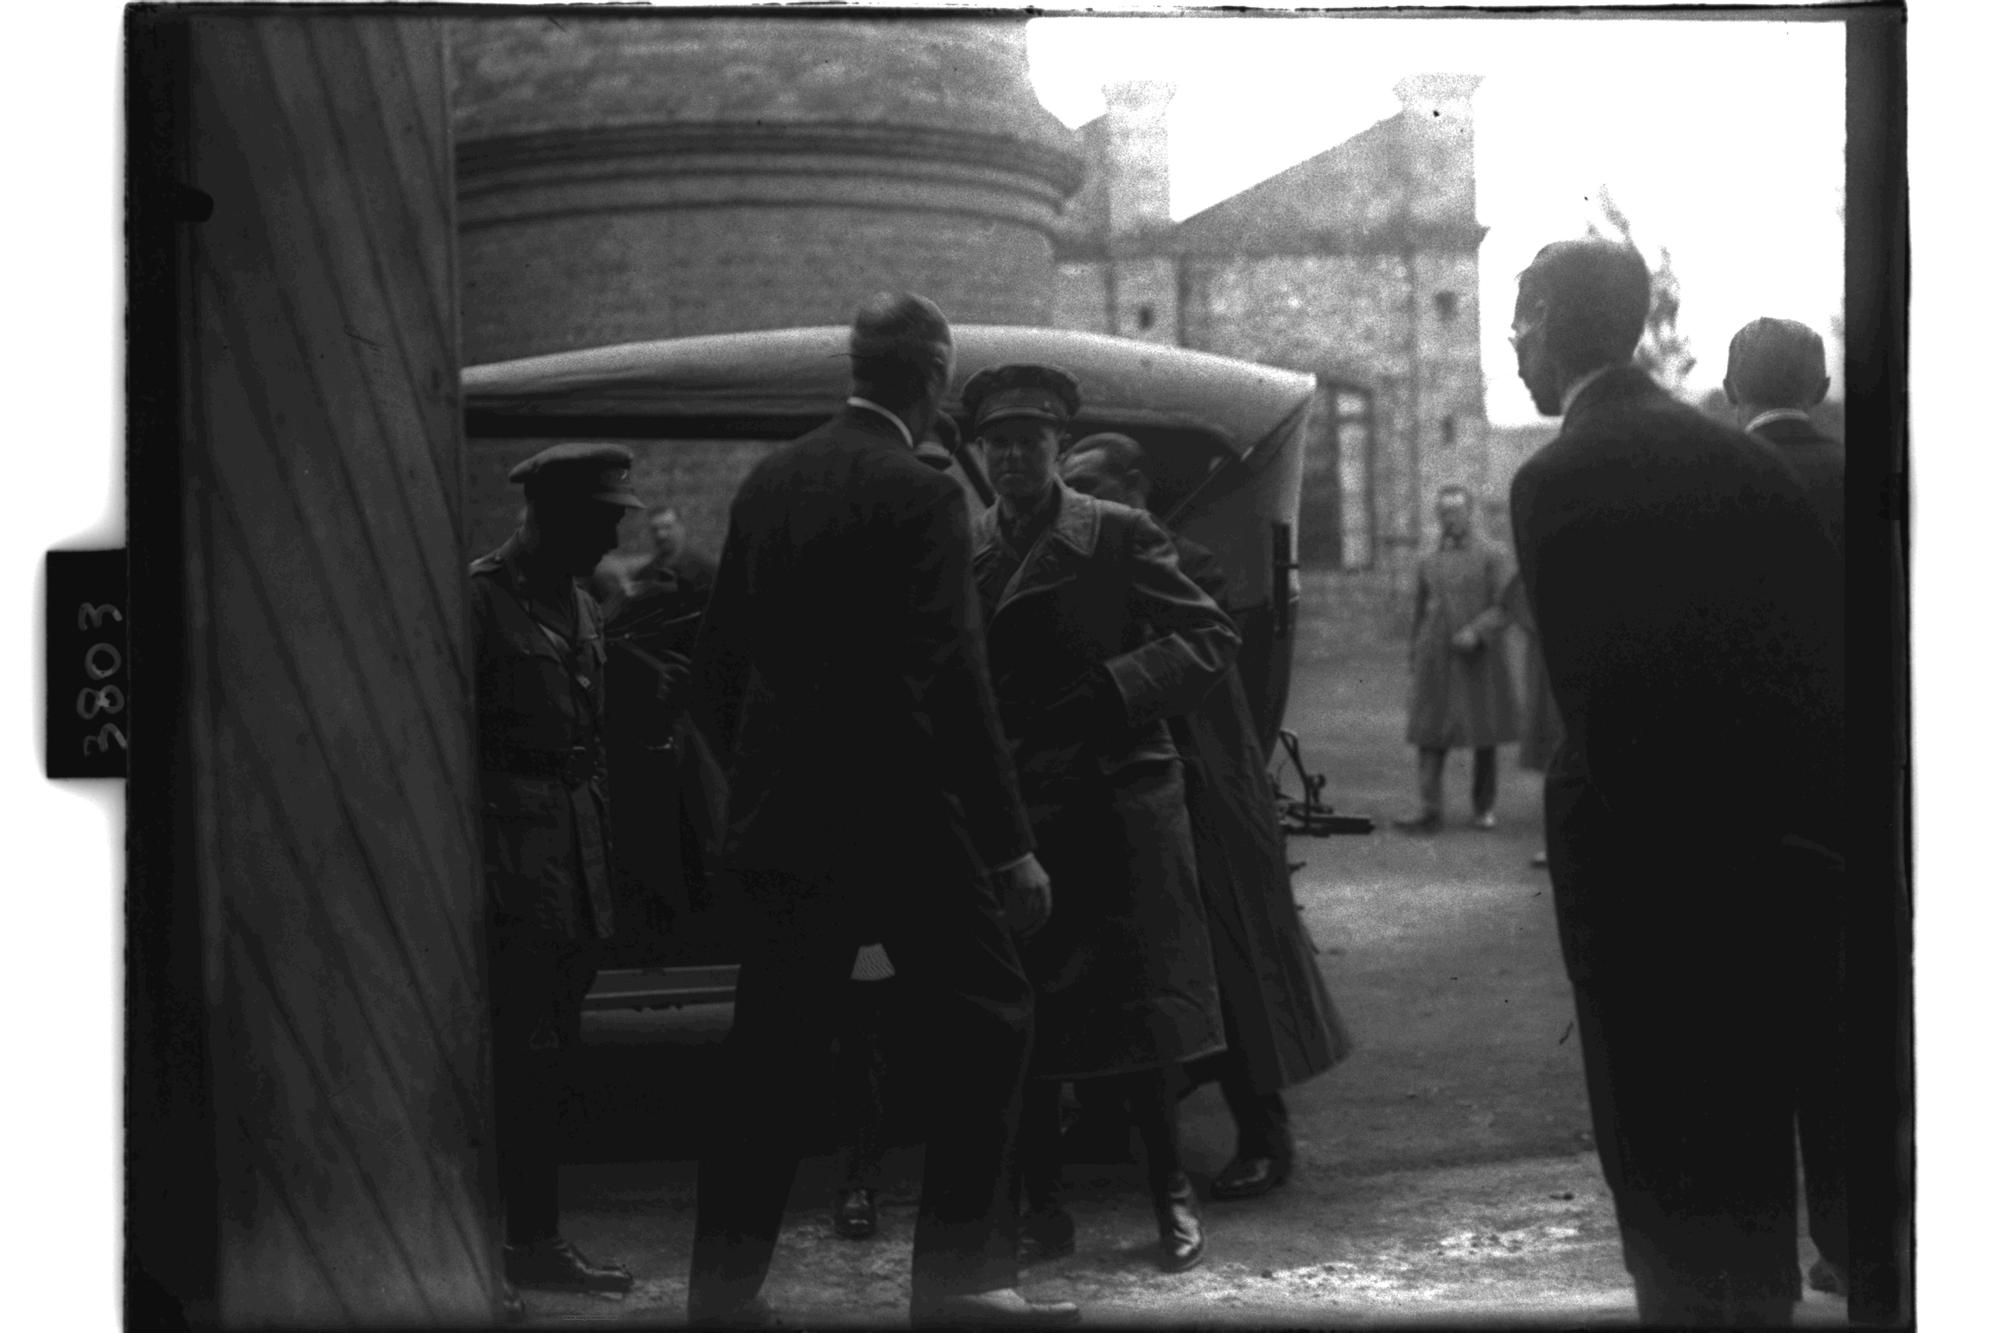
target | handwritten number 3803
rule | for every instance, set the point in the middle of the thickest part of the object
(104, 698)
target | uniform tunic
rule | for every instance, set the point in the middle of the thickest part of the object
(1460, 699)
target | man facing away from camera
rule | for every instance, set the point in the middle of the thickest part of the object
(1689, 608)
(842, 668)
(1777, 374)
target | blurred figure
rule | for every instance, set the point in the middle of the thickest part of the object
(1541, 730)
(1461, 691)
(1097, 638)
(1777, 371)
(539, 693)
(1690, 609)
(842, 667)
(1280, 1023)
(860, 1088)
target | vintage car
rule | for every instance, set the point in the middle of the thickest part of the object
(1225, 439)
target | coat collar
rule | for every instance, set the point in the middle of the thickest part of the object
(1067, 542)
(1615, 385)
(1075, 524)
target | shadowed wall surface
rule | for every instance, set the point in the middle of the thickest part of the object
(328, 710)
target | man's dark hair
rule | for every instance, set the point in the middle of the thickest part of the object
(899, 347)
(1777, 363)
(1592, 297)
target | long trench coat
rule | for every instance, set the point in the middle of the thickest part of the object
(1460, 699)
(1279, 1018)
(1123, 970)
(1541, 730)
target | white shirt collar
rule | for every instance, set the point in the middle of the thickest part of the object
(1777, 414)
(1584, 381)
(902, 427)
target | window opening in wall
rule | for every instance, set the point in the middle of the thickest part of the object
(1446, 303)
(1145, 318)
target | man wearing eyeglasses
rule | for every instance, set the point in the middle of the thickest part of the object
(1689, 608)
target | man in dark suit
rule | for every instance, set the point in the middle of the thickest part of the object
(1777, 371)
(842, 668)
(1689, 607)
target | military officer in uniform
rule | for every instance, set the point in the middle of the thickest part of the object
(540, 691)
(1097, 638)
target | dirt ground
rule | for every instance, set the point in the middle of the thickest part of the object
(1445, 1176)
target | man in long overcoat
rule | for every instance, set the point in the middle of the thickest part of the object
(842, 668)
(539, 691)
(1097, 638)
(1281, 1024)
(1461, 690)
(1689, 606)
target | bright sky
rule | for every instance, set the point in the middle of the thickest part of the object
(1723, 141)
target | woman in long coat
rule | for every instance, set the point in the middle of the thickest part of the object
(1095, 639)
(1280, 1021)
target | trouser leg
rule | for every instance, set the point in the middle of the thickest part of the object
(1430, 781)
(861, 1078)
(955, 956)
(1155, 1111)
(536, 1012)
(1485, 778)
(1263, 1123)
(1037, 1152)
(787, 991)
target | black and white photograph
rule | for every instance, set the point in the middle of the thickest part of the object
(826, 666)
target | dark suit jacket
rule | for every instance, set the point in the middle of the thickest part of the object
(1689, 607)
(842, 667)
(1821, 465)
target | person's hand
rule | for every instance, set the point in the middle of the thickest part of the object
(1466, 640)
(1025, 892)
(676, 677)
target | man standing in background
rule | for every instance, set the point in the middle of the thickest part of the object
(1461, 690)
(1777, 373)
(539, 690)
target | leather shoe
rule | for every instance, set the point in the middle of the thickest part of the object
(1485, 821)
(1005, 1308)
(753, 1313)
(556, 1265)
(1422, 824)
(854, 1213)
(1248, 1177)
(1046, 1233)
(1181, 1241)
(513, 1310)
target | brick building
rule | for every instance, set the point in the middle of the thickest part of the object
(1360, 265)
(651, 176)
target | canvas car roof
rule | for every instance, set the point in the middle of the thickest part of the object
(781, 381)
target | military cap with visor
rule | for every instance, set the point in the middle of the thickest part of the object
(1036, 393)
(579, 471)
